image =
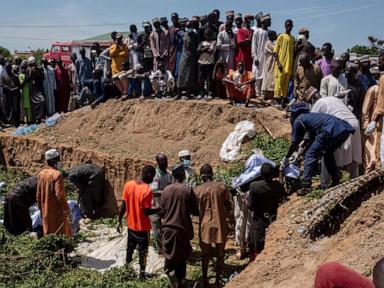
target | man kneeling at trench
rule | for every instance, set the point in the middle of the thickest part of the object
(90, 180)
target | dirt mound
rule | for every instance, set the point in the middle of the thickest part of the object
(139, 130)
(290, 261)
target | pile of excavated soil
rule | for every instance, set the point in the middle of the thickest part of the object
(141, 129)
(290, 261)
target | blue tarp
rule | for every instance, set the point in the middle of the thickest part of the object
(251, 169)
(75, 214)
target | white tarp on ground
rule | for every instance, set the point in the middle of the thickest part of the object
(108, 250)
(231, 146)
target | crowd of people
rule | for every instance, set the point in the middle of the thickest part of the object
(336, 106)
(200, 58)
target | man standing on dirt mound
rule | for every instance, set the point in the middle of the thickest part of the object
(51, 197)
(323, 134)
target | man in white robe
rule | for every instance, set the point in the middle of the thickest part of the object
(132, 43)
(259, 40)
(349, 155)
(334, 83)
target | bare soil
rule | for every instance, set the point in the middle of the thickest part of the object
(290, 261)
(140, 129)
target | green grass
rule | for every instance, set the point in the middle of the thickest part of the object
(273, 149)
(28, 262)
(109, 222)
(315, 194)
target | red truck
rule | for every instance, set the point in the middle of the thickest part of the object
(64, 50)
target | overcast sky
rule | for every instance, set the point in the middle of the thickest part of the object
(26, 24)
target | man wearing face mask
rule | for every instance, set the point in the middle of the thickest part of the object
(190, 174)
(51, 197)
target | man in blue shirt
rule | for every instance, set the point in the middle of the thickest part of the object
(84, 68)
(324, 134)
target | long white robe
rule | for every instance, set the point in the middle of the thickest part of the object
(132, 43)
(331, 86)
(259, 40)
(351, 150)
(49, 84)
(225, 46)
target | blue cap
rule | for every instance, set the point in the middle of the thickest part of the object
(302, 106)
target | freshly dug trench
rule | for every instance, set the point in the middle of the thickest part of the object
(290, 260)
(326, 216)
(27, 154)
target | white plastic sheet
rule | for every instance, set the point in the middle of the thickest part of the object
(231, 146)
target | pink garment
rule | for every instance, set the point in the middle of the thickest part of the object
(325, 66)
(244, 53)
(335, 275)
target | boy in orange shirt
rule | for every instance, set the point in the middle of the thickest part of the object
(137, 203)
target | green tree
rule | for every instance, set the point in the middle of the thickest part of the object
(38, 54)
(375, 46)
(5, 52)
(363, 50)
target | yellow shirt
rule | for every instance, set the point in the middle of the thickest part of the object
(285, 48)
(119, 55)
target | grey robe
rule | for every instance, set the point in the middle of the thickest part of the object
(159, 45)
(49, 84)
(188, 62)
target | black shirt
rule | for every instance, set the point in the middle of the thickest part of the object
(24, 192)
(264, 197)
(80, 175)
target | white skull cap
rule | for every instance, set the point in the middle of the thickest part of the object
(51, 154)
(184, 153)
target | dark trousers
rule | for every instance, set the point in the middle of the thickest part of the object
(256, 234)
(11, 107)
(323, 145)
(92, 198)
(180, 268)
(205, 78)
(206, 255)
(108, 90)
(139, 240)
(140, 87)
